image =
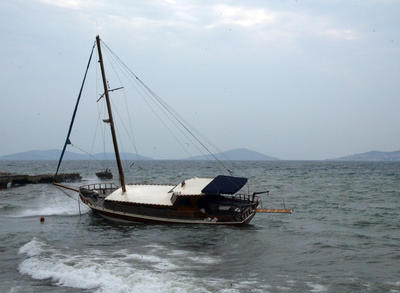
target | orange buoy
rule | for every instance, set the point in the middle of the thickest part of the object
(41, 219)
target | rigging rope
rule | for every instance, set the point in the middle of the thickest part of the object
(67, 194)
(146, 96)
(167, 108)
(83, 151)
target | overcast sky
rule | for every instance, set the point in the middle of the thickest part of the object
(290, 79)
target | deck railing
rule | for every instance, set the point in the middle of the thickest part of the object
(100, 186)
(245, 197)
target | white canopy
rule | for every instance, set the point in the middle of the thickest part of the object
(143, 194)
(159, 194)
(166, 194)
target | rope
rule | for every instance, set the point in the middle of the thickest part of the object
(145, 95)
(65, 193)
(83, 151)
(168, 109)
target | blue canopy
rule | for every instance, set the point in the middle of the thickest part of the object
(224, 185)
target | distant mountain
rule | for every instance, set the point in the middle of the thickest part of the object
(55, 155)
(372, 156)
(236, 155)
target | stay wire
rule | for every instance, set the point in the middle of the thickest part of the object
(183, 125)
(145, 94)
(188, 127)
(148, 100)
(83, 151)
(65, 193)
(169, 109)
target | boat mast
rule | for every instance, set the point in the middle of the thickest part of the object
(110, 119)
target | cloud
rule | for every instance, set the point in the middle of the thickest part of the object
(178, 15)
(345, 34)
(242, 16)
(72, 4)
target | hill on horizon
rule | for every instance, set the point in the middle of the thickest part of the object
(372, 156)
(55, 155)
(241, 154)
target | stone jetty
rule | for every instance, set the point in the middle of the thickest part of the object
(12, 180)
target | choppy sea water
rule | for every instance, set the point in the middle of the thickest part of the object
(344, 234)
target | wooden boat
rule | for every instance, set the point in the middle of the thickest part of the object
(193, 201)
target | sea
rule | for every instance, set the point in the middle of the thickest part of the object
(343, 234)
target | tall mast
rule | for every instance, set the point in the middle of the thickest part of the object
(110, 119)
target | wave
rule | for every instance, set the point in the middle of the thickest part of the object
(47, 205)
(116, 272)
(149, 268)
(51, 211)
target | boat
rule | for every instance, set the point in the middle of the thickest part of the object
(198, 200)
(105, 174)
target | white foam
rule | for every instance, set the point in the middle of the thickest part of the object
(116, 272)
(51, 211)
(203, 259)
(177, 253)
(32, 248)
(155, 246)
(397, 284)
(186, 256)
(51, 204)
(316, 287)
(155, 261)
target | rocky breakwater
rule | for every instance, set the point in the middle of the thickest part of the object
(12, 180)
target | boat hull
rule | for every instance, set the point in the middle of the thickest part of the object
(129, 218)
